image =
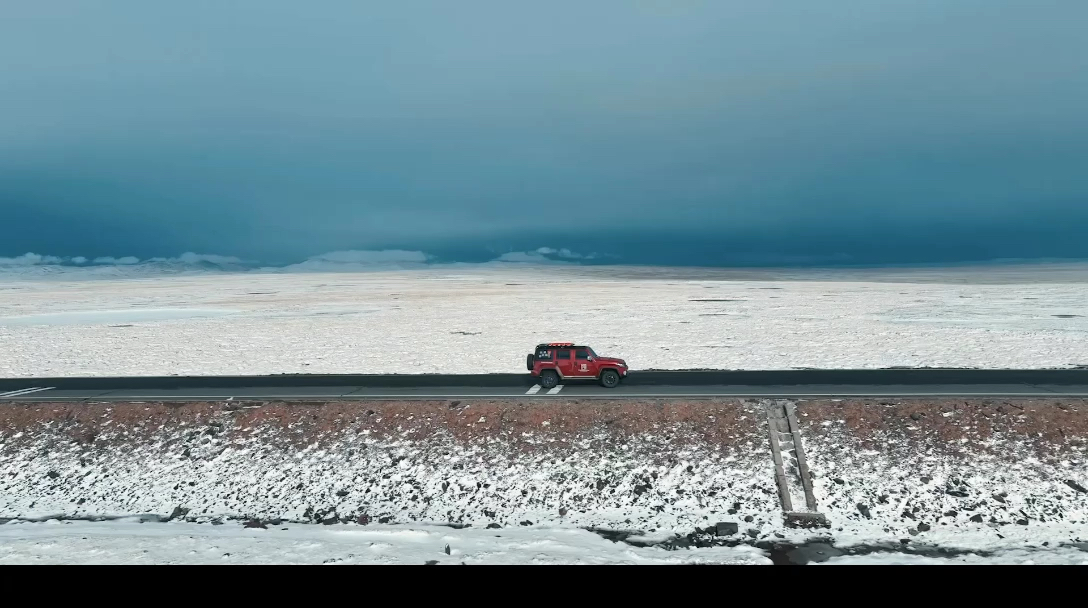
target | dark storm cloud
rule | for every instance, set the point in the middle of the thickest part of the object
(662, 131)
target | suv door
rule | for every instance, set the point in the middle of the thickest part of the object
(564, 362)
(584, 364)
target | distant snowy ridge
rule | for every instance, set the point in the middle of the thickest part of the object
(32, 265)
(37, 265)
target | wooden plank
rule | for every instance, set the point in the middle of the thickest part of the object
(779, 472)
(802, 464)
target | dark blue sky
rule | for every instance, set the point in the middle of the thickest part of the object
(667, 132)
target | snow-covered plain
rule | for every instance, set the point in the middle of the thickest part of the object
(484, 319)
(130, 542)
(478, 320)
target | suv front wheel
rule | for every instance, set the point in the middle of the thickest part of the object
(609, 378)
(548, 379)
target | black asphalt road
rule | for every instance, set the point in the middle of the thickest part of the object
(645, 384)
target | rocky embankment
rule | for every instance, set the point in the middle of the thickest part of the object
(945, 472)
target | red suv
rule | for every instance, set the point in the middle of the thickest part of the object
(567, 361)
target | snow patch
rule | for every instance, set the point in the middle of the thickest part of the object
(188, 543)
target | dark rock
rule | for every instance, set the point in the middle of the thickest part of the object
(907, 515)
(924, 527)
(52, 474)
(363, 520)
(1076, 486)
(526, 523)
(447, 549)
(385, 519)
(493, 526)
(1022, 522)
(341, 493)
(916, 416)
(454, 404)
(753, 532)
(726, 528)
(839, 480)
(562, 511)
(883, 499)
(976, 518)
(926, 479)
(956, 493)
(430, 562)
(255, 523)
(177, 512)
(749, 518)
(864, 510)
(951, 513)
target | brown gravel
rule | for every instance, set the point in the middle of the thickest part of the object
(726, 422)
(1044, 423)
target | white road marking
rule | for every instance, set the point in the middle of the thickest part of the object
(25, 391)
(534, 390)
(556, 389)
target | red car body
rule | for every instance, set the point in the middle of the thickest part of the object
(563, 361)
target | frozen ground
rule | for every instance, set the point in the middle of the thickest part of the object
(1052, 557)
(480, 320)
(129, 542)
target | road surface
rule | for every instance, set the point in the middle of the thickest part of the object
(646, 384)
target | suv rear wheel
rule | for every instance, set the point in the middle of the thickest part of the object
(548, 378)
(609, 378)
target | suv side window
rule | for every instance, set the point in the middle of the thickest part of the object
(581, 353)
(544, 355)
(562, 354)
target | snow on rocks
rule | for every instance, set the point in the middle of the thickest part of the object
(967, 474)
(634, 466)
(994, 473)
